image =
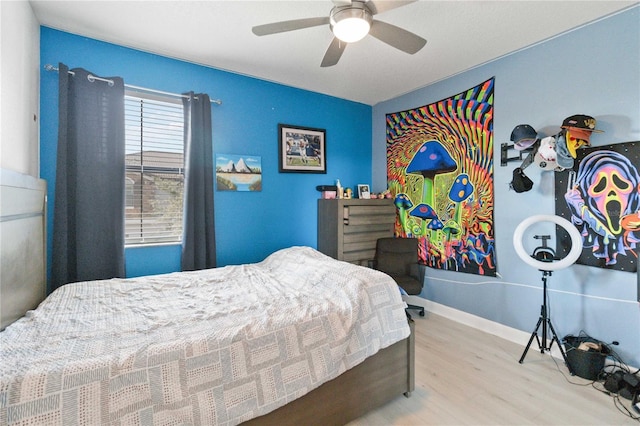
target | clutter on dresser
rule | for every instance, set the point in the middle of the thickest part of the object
(327, 192)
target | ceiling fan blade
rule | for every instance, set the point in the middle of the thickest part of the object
(397, 37)
(283, 26)
(380, 6)
(334, 52)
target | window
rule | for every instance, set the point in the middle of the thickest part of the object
(154, 167)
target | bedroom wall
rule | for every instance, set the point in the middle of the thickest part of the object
(19, 36)
(592, 70)
(249, 225)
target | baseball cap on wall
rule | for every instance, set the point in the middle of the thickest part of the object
(579, 133)
(523, 136)
(546, 156)
(581, 121)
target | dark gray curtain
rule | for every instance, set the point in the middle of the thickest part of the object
(198, 233)
(88, 218)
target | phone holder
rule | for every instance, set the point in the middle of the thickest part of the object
(544, 253)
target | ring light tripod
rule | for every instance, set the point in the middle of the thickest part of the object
(543, 258)
(545, 321)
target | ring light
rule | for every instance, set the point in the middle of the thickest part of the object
(568, 260)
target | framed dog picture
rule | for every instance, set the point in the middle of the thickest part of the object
(364, 192)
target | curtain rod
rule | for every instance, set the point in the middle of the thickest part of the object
(92, 78)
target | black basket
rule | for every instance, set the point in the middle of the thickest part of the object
(585, 363)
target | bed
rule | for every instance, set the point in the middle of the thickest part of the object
(299, 338)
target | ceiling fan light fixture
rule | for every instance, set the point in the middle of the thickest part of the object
(351, 23)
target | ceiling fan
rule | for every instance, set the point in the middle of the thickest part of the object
(351, 21)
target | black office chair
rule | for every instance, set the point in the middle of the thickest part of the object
(398, 258)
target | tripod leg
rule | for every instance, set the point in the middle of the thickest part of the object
(534, 334)
(555, 339)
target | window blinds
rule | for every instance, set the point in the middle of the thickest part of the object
(154, 129)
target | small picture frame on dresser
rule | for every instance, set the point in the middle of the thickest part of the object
(364, 192)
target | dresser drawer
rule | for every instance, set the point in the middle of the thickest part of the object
(368, 215)
(349, 229)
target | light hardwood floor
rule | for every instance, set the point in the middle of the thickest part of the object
(467, 377)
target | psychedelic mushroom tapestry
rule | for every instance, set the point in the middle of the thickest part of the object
(601, 197)
(440, 173)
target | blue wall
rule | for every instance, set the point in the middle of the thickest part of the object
(593, 70)
(249, 225)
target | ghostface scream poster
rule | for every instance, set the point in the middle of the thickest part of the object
(601, 197)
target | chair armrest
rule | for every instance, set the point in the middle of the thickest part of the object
(417, 271)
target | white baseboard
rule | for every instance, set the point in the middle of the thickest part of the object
(483, 324)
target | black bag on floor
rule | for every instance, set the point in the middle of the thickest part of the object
(585, 355)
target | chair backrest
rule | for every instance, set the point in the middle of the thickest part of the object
(394, 255)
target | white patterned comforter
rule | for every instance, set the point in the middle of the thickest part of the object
(218, 346)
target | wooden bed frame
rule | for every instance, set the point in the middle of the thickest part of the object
(376, 381)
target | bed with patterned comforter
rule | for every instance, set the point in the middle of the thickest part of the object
(218, 346)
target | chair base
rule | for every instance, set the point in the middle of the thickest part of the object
(419, 308)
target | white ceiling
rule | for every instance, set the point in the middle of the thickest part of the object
(460, 35)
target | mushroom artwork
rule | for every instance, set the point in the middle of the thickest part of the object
(436, 237)
(430, 160)
(435, 224)
(451, 229)
(402, 203)
(460, 191)
(427, 214)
